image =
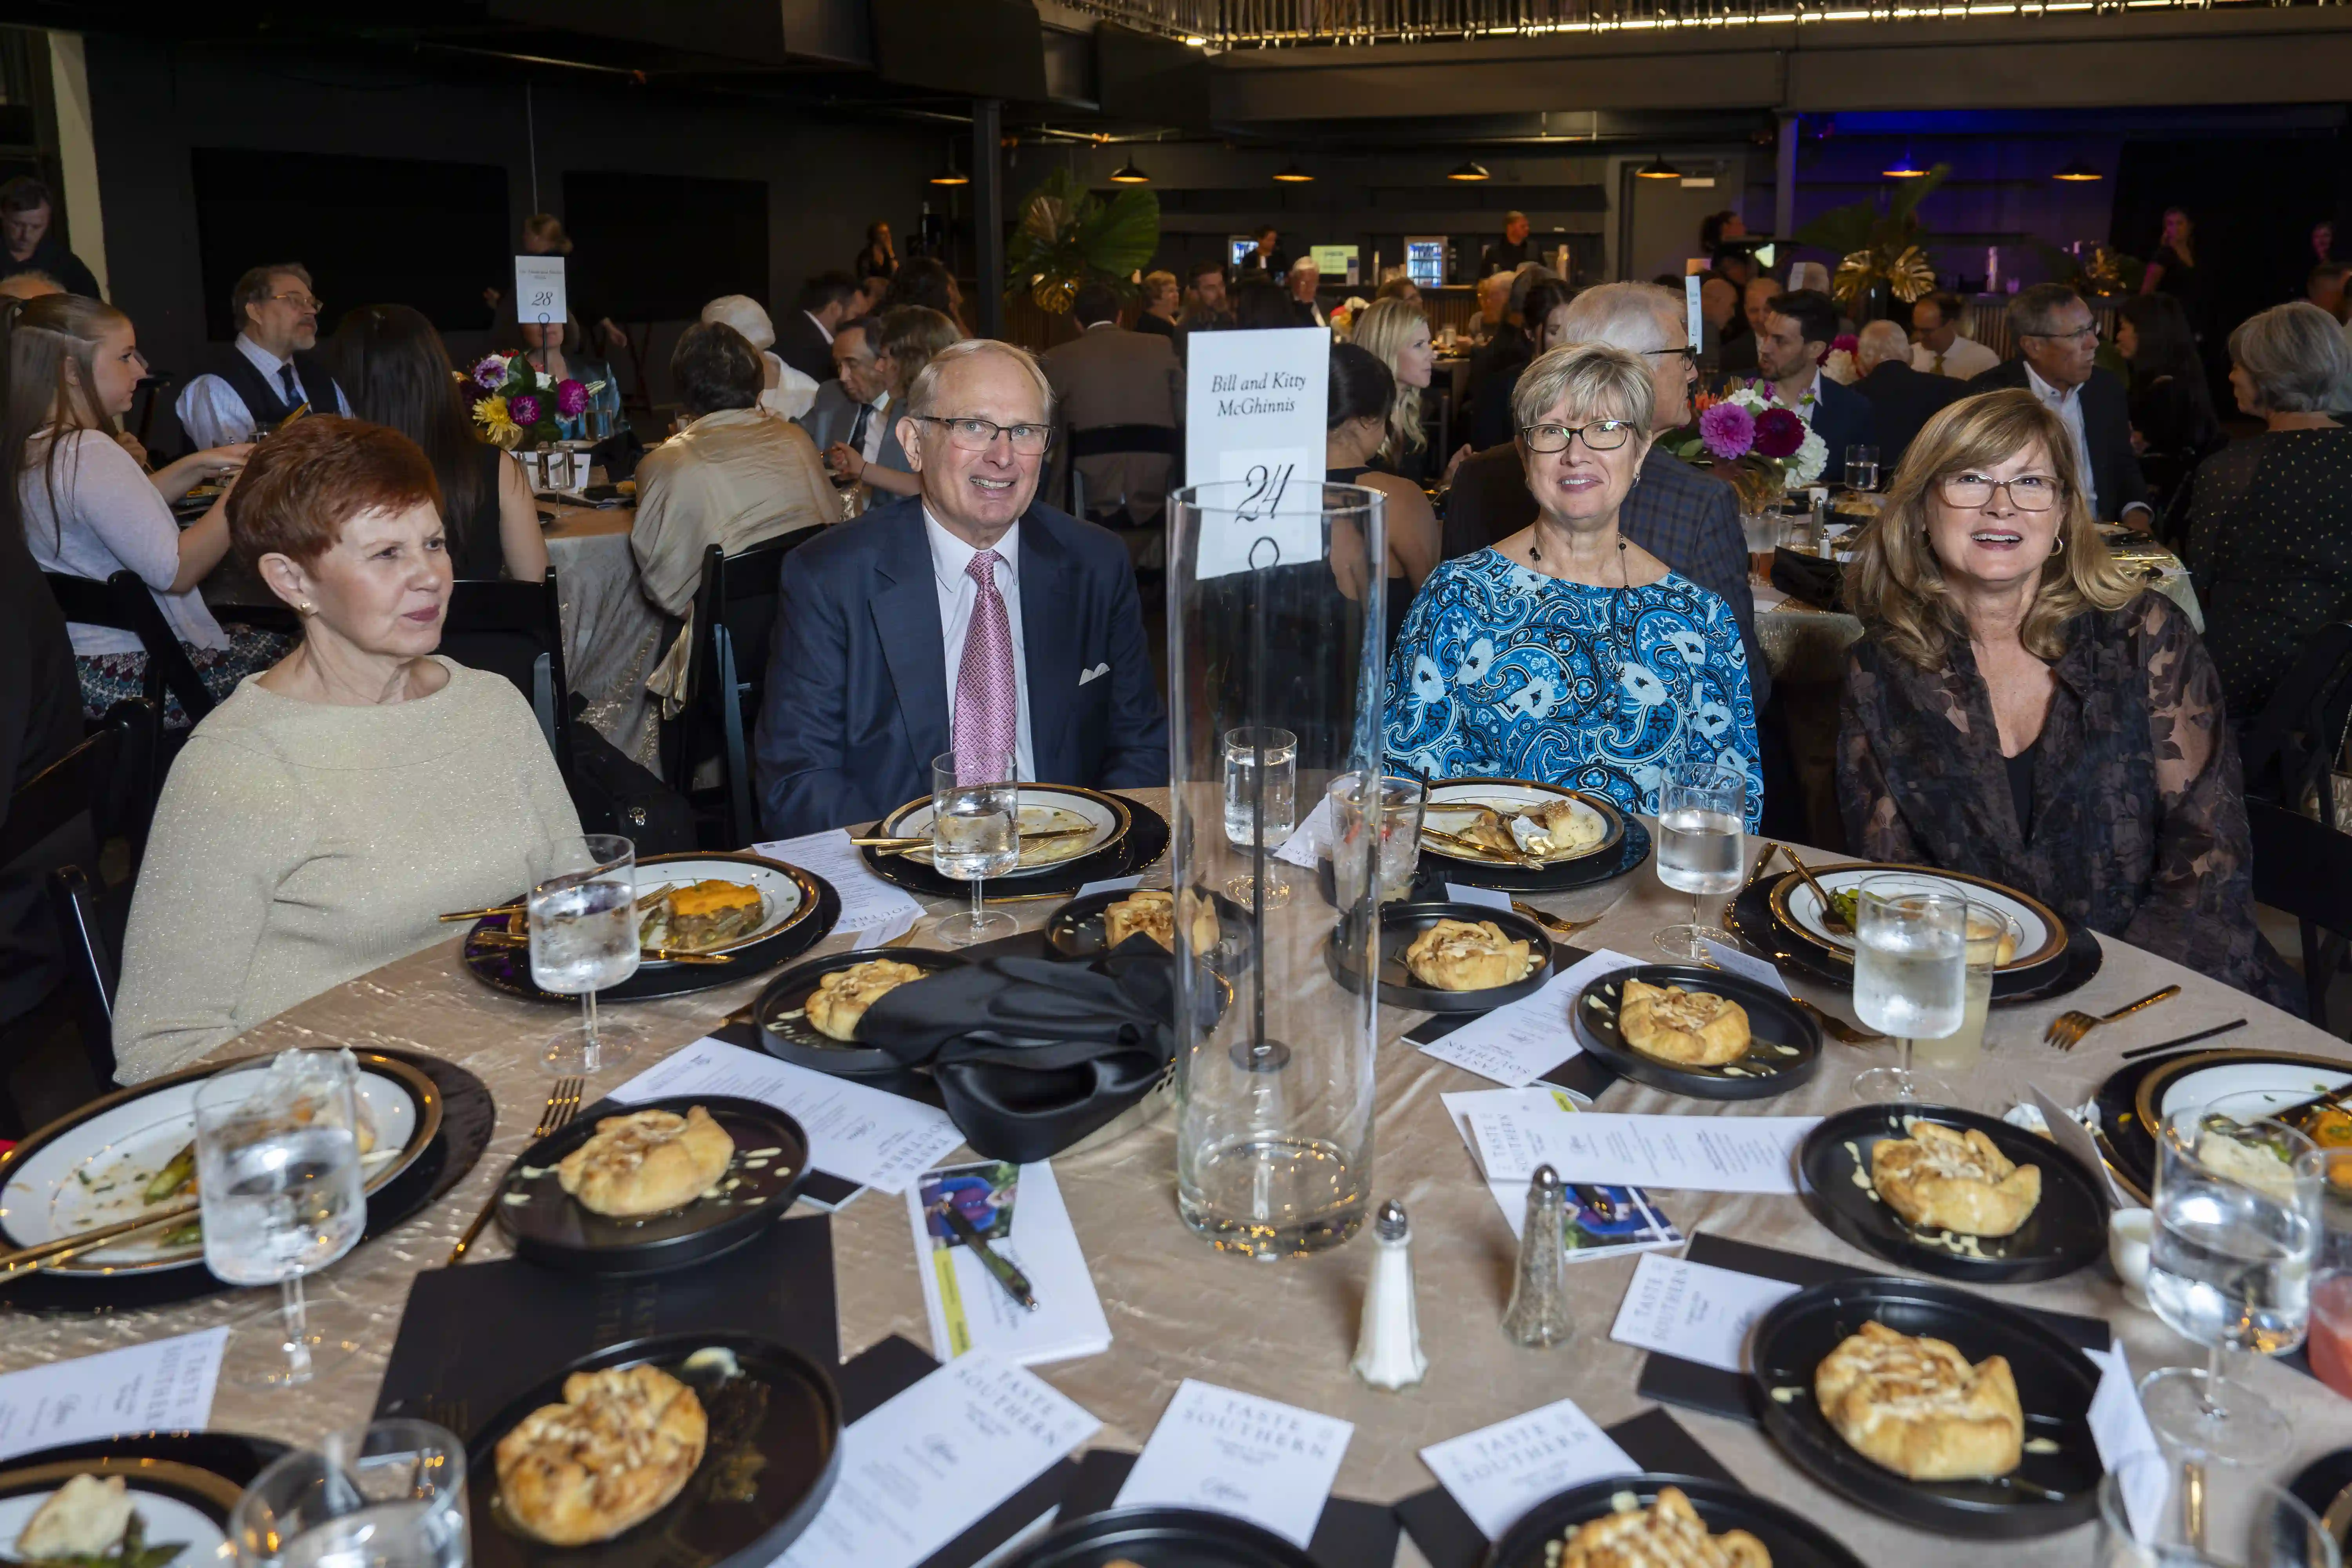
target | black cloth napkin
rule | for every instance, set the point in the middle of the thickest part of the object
(1031, 1055)
(1819, 583)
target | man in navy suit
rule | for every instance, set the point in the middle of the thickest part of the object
(968, 617)
(1798, 327)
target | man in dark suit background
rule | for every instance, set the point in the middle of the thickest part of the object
(2058, 343)
(957, 617)
(804, 333)
(1108, 376)
(852, 410)
(1789, 347)
(1906, 399)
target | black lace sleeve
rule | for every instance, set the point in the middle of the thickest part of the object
(1874, 829)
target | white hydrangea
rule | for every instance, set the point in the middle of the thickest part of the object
(1810, 459)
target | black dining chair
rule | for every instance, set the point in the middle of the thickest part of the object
(122, 603)
(2304, 869)
(727, 671)
(2291, 746)
(516, 630)
(1113, 441)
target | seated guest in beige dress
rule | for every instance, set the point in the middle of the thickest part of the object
(320, 819)
(732, 477)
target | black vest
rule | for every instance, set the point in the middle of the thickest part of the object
(264, 398)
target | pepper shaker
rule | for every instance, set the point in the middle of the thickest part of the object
(1388, 1346)
(1537, 1316)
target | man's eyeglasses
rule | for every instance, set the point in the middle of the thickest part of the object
(979, 435)
(2078, 335)
(2027, 493)
(300, 301)
(1600, 435)
(1687, 353)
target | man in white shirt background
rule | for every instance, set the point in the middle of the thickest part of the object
(1937, 346)
(1306, 278)
(273, 368)
(2058, 348)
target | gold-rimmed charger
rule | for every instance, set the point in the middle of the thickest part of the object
(1502, 793)
(1044, 806)
(1793, 905)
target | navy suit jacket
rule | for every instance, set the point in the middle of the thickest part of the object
(1843, 418)
(2107, 431)
(857, 702)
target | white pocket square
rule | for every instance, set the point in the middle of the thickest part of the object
(1089, 675)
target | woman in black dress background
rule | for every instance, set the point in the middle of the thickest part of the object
(2173, 425)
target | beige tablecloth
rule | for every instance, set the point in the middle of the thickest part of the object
(611, 635)
(1284, 1330)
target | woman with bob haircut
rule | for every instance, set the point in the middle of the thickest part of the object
(2021, 710)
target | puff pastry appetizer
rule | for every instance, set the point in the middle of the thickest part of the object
(841, 998)
(1150, 911)
(1554, 830)
(1957, 1182)
(1914, 1406)
(649, 1161)
(1692, 1029)
(620, 1446)
(1668, 1533)
(1456, 955)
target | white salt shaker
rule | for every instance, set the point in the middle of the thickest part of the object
(1388, 1347)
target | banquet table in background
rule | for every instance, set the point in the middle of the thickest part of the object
(1283, 1330)
(612, 637)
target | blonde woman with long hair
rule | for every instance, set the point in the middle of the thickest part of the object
(2021, 710)
(1397, 333)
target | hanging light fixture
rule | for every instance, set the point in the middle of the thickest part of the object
(1903, 168)
(948, 174)
(1126, 173)
(1468, 169)
(2077, 171)
(1658, 168)
(1290, 174)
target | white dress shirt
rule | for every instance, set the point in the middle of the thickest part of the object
(958, 595)
(2068, 406)
(820, 326)
(213, 413)
(1965, 360)
(877, 424)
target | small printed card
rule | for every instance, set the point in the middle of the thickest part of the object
(1519, 1043)
(1687, 1153)
(1747, 967)
(875, 912)
(163, 1385)
(1599, 1221)
(1486, 898)
(1499, 1472)
(1111, 885)
(2120, 1428)
(1694, 1311)
(1217, 1448)
(1018, 1210)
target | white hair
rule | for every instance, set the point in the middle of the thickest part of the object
(743, 313)
(1808, 275)
(920, 396)
(1306, 264)
(1878, 342)
(1637, 317)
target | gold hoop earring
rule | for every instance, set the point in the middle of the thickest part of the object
(2057, 546)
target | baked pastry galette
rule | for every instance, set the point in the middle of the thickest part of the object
(1955, 1180)
(1693, 1028)
(649, 1161)
(1458, 955)
(841, 998)
(1916, 1406)
(1151, 911)
(1554, 830)
(622, 1445)
(1668, 1533)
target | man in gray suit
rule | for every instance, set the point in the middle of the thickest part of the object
(852, 410)
(1108, 376)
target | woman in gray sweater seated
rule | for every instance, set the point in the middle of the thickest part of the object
(321, 819)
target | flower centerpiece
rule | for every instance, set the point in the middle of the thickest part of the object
(1760, 445)
(516, 404)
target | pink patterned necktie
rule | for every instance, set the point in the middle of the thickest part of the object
(987, 710)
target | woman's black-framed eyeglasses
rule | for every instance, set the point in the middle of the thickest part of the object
(979, 435)
(1600, 435)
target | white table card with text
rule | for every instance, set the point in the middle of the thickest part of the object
(1254, 408)
(539, 290)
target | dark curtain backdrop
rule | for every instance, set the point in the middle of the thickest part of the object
(658, 247)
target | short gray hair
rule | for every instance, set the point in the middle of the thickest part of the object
(1627, 316)
(2295, 356)
(1594, 380)
(744, 314)
(920, 395)
(1305, 264)
(2034, 311)
(1878, 342)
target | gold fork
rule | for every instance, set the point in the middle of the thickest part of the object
(1552, 922)
(2067, 1029)
(562, 1105)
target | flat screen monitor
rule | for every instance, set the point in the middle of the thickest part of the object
(1238, 247)
(1424, 260)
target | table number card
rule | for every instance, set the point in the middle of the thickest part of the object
(538, 292)
(1254, 419)
(1217, 1448)
(1499, 1472)
(163, 1385)
(1694, 1311)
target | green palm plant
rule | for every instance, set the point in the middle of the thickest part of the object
(1875, 246)
(1068, 236)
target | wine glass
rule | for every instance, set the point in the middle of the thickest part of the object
(2229, 1264)
(277, 1185)
(1910, 977)
(975, 835)
(582, 913)
(390, 1495)
(2151, 1512)
(1701, 810)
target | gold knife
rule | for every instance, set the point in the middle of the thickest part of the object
(1485, 851)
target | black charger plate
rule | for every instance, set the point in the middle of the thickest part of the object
(1137, 850)
(505, 967)
(1582, 872)
(2321, 1483)
(2046, 1493)
(1162, 1538)
(1401, 923)
(2067, 1229)
(1794, 1540)
(780, 1014)
(774, 1452)
(552, 1227)
(1076, 931)
(1783, 1052)
(1750, 918)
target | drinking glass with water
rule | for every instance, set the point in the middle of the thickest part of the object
(1910, 977)
(1862, 468)
(1992, 939)
(2229, 1265)
(392, 1495)
(1702, 810)
(278, 1186)
(2186, 1515)
(582, 914)
(975, 835)
(1251, 751)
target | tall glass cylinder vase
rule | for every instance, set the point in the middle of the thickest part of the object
(1276, 596)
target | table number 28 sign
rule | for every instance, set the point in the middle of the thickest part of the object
(539, 289)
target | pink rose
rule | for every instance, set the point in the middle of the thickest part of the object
(570, 398)
(1728, 431)
(524, 410)
(1779, 433)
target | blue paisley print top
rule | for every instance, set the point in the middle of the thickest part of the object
(1504, 672)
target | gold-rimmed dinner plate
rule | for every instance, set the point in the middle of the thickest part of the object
(1797, 910)
(89, 1168)
(174, 1503)
(788, 895)
(1453, 803)
(1101, 820)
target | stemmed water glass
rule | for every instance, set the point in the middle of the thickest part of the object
(582, 913)
(1910, 978)
(392, 1495)
(975, 835)
(1701, 811)
(2229, 1265)
(277, 1185)
(2151, 1511)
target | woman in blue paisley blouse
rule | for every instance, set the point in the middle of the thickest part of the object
(1566, 652)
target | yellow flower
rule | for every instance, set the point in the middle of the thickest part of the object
(496, 427)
